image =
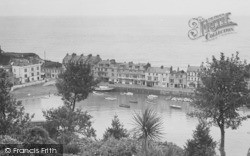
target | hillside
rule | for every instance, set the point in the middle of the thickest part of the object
(6, 57)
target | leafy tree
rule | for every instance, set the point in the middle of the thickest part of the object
(75, 83)
(148, 125)
(64, 122)
(13, 119)
(222, 92)
(202, 143)
(38, 135)
(117, 131)
(147, 66)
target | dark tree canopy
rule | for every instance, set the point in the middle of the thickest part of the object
(13, 119)
(117, 131)
(63, 120)
(75, 83)
(222, 93)
(202, 143)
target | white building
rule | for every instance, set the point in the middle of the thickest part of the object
(193, 79)
(157, 76)
(27, 72)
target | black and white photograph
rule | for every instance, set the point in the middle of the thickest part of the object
(124, 78)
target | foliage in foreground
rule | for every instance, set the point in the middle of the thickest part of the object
(202, 143)
(13, 119)
(126, 147)
(148, 126)
(116, 130)
(63, 123)
(222, 92)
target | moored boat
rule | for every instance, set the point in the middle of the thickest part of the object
(110, 98)
(128, 93)
(151, 102)
(133, 101)
(152, 97)
(175, 106)
(125, 106)
(97, 93)
(103, 88)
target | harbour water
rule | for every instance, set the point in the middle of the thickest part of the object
(177, 126)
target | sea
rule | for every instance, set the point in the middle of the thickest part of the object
(160, 40)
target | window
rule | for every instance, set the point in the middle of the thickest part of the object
(172, 80)
(37, 73)
(164, 79)
(37, 68)
(32, 69)
(149, 77)
(25, 70)
(25, 75)
(32, 74)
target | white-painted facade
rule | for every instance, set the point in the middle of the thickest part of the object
(27, 73)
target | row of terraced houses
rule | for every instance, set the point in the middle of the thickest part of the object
(137, 73)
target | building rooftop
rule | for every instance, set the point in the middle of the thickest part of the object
(81, 59)
(51, 64)
(193, 68)
(24, 62)
(158, 70)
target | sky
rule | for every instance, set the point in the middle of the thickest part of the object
(122, 7)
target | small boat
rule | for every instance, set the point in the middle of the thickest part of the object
(103, 89)
(110, 98)
(175, 106)
(152, 96)
(133, 101)
(128, 93)
(96, 93)
(125, 106)
(151, 102)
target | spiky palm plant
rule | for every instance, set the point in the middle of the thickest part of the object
(148, 126)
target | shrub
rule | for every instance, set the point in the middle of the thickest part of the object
(117, 131)
(202, 143)
(38, 135)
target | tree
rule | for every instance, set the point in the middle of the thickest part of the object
(117, 131)
(75, 83)
(202, 143)
(13, 119)
(222, 92)
(63, 122)
(147, 66)
(148, 125)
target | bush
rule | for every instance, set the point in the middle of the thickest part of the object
(37, 135)
(5, 139)
(202, 143)
(71, 148)
(117, 131)
(112, 146)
